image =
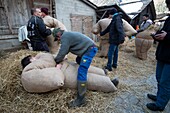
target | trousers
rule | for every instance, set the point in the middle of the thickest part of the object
(163, 83)
(85, 62)
(39, 46)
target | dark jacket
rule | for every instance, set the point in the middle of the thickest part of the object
(36, 29)
(115, 29)
(163, 49)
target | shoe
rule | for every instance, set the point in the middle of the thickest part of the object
(115, 82)
(109, 69)
(80, 101)
(153, 107)
(114, 66)
(152, 97)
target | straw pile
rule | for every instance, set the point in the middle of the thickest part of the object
(131, 71)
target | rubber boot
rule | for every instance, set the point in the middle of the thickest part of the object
(81, 90)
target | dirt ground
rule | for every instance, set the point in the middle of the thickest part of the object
(137, 78)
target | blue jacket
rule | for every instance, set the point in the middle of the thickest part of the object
(116, 30)
(163, 49)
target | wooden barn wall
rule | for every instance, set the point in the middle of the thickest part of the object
(82, 24)
(76, 16)
(14, 14)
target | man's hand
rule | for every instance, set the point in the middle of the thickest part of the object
(160, 36)
(98, 35)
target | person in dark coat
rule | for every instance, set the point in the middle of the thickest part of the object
(116, 37)
(37, 31)
(163, 68)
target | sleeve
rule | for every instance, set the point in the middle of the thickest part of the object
(64, 49)
(106, 30)
(42, 28)
(167, 37)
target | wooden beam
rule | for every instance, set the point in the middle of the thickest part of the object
(103, 14)
(8, 18)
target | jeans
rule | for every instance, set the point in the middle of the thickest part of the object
(163, 80)
(112, 55)
(39, 46)
(85, 62)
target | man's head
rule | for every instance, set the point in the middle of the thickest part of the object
(112, 12)
(44, 11)
(145, 16)
(168, 4)
(57, 33)
(36, 12)
(25, 61)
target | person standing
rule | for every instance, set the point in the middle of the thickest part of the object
(116, 37)
(162, 68)
(85, 49)
(145, 24)
(37, 31)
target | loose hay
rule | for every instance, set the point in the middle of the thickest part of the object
(131, 71)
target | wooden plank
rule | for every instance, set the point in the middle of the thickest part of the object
(8, 18)
(7, 37)
(9, 44)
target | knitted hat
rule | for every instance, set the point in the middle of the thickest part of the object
(55, 31)
(113, 11)
(44, 10)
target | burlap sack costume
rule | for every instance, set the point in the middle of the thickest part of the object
(53, 23)
(101, 25)
(144, 41)
(42, 76)
(96, 81)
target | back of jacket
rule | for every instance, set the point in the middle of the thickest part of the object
(116, 30)
(37, 30)
(163, 49)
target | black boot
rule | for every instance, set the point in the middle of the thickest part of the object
(152, 97)
(115, 82)
(153, 107)
(109, 69)
(114, 66)
(81, 90)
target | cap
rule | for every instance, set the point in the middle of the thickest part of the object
(55, 31)
(113, 11)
